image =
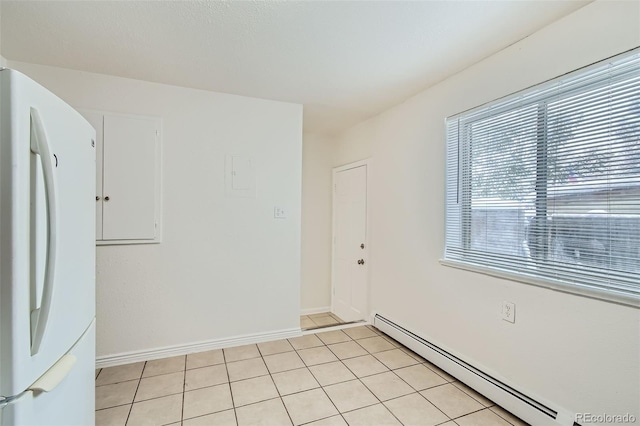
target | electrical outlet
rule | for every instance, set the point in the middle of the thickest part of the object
(508, 311)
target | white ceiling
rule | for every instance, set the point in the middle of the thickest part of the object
(344, 60)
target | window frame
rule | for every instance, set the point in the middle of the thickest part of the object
(458, 157)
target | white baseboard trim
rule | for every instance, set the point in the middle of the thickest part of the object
(311, 311)
(207, 345)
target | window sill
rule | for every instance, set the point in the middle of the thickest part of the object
(585, 291)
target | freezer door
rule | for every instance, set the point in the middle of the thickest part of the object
(71, 403)
(47, 223)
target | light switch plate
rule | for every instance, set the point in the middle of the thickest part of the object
(279, 213)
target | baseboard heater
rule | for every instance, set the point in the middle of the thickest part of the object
(525, 407)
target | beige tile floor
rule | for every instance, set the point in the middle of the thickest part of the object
(355, 376)
(323, 319)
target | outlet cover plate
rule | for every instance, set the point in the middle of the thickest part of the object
(509, 311)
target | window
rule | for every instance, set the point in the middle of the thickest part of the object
(544, 186)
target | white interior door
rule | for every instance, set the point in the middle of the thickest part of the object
(350, 263)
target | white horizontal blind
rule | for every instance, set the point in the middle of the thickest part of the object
(545, 184)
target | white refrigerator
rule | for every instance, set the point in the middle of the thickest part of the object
(47, 258)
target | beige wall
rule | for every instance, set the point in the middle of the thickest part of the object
(225, 267)
(577, 353)
(317, 160)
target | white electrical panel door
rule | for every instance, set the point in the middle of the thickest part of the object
(96, 120)
(240, 176)
(130, 153)
(242, 173)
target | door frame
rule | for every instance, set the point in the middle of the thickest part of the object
(368, 163)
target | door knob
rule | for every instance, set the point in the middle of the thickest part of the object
(106, 198)
(97, 198)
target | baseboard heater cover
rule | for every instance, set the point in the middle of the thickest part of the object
(511, 399)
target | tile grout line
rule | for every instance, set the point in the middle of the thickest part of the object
(153, 398)
(330, 400)
(441, 385)
(356, 378)
(157, 375)
(506, 420)
(376, 396)
(305, 366)
(136, 392)
(226, 369)
(115, 406)
(483, 409)
(418, 361)
(293, 393)
(416, 391)
(228, 378)
(473, 397)
(184, 388)
(389, 370)
(322, 387)
(472, 412)
(274, 383)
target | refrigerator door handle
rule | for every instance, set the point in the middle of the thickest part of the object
(47, 382)
(40, 146)
(54, 375)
